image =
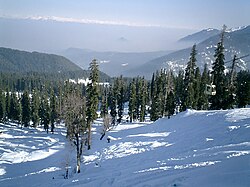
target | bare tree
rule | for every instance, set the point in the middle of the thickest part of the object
(106, 125)
(75, 122)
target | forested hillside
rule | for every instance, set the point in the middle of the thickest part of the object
(21, 70)
(21, 61)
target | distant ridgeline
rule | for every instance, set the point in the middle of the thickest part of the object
(19, 68)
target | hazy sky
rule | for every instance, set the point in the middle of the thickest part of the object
(126, 25)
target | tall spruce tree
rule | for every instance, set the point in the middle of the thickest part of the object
(197, 84)
(189, 80)
(179, 91)
(92, 97)
(132, 101)
(203, 98)
(44, 112)
(170, 104)
(104, 104)
(53, 110)
(2, 106)
(112, 105)
(35, 108)
(26, 113)
(243, 88)
(219, 79)
(120, 99)
(15, 108)
(7, 104)
(143, 100)
(154, 110)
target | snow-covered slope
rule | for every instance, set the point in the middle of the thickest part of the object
(193, 148)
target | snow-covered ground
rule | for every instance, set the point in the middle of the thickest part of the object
(193, 148)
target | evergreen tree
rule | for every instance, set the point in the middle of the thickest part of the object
(189, 80)
(179, 91)
(143, 100)
(170, 104)
(19, 111)
(218, 100)
(138, 97)
(112, 106)
(203, 98)
(243, 88)
(53, 109)
(7, 104)
(197, 84)
(35, 108)
(160, 95)
(132, 101)
(92, 97)
(120, 99)
(154, 111)
(104, 104)
(2, 106)
(26, 113)
(15, 109)
(44, 112)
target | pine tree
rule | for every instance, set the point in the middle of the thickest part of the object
(35, 108)
(53, 109)
(44, 112)
(92, 97)
(143, 100)
(26, 113)
(138, 97)
(132, 101)
(243, 88)
(189, 80)
(179, 91)
(170, 104)
(104, 104)
(2, 106)
(7, 104)
(120, 99)
(154, 114)
(15, 108)
(203, 98)
(197, 84)
(112, 105)
(218, 99)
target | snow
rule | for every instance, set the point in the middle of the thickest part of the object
(193, 148)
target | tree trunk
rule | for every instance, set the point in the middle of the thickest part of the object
(78, 155)
(78, 163)
(89, 135)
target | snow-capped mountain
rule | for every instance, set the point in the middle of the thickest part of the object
(200, 36)
(236, 43)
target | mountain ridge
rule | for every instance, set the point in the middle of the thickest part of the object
(236, 43)
(13, 60)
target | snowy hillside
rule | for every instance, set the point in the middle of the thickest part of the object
(193, 148)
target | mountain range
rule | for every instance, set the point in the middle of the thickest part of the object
(200, 36)
(236, 42)
(131, 64)
(111, 62)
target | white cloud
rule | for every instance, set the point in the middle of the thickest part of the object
(81, 21)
